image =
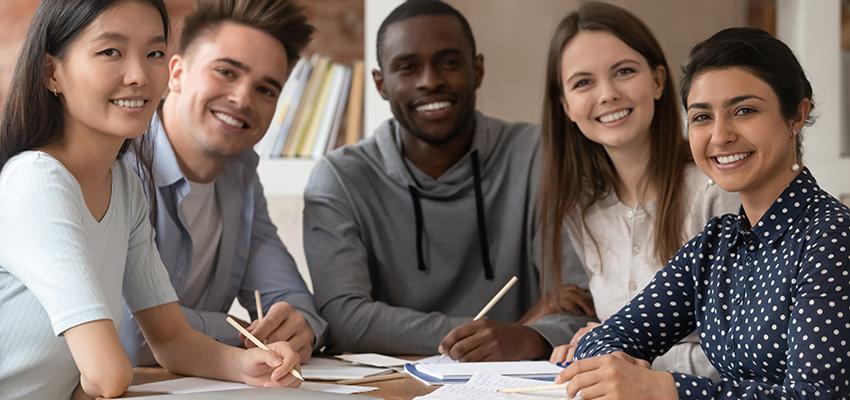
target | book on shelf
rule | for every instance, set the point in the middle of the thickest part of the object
(319, 109)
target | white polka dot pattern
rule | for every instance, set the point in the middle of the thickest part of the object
(771, 303)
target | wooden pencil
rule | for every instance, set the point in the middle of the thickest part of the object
(259, 306)
(257, 342)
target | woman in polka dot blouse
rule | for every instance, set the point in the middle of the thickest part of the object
(768, 289)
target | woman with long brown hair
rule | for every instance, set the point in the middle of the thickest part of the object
(618, 179)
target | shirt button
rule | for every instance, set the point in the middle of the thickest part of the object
(635, 250)
(630, 214)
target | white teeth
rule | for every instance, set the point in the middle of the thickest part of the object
(229, 120)
(614, 116)
(434, 106)
(129, 103)
(732, 158)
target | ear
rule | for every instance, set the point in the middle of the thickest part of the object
(803, 110)
(660, 78)
(176, 66)
(51, 82)
(478, 65)
(378, 77)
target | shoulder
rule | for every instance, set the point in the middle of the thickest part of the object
(517, 135)
(36, 173)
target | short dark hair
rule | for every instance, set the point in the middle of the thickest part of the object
(763, 55)
(282, 19)
(416, 8)
(33, 116)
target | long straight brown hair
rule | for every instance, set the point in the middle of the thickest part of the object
(576, 172)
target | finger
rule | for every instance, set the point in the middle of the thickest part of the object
(579, 300)
(578, 367)
(302, 343)
(461, 349)
(597, 391)
(582, 382)
(559, 354)
(277, 316)
(571, 353)
(455, 335)
(289, 359)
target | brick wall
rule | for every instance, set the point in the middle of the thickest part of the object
(339, 30)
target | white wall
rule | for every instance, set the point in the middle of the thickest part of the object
(814, 35)
(377, 110)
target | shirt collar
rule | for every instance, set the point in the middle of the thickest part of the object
(166, 168)
(784, 211)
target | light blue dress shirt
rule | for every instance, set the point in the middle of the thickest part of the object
(250, 255)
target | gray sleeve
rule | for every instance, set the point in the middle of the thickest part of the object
(272, 271)
(339, 265)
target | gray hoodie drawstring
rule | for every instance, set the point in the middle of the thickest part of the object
(479, 208)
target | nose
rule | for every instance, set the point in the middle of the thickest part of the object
(609, 92)
(240, 95)
(136, 73)
(431, 78)
(723, 133)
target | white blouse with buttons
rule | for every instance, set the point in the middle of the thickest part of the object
(616, 245)
(771, 303)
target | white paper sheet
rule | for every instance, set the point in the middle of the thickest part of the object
(511, 368)
(373, 360)
(485, 387)
(201, 385)
(325, 369)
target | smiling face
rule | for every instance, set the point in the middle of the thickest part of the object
(609, 90)
(430, 76)
(738, 134)
(225, 91)
(113, 74)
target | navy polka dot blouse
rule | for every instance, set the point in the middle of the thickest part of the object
(771, 303)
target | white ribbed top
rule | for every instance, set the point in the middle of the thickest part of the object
(59, 268)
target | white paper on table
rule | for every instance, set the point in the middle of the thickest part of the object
(486, 387)
(325, 369)
(511, 368)
(187, 385)
(201, 385)
(438, 359)
(333, 388)
(373, 360)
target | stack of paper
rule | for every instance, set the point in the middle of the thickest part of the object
(455, 372)
(486, 387)
(325, 369)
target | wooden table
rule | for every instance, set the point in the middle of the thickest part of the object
(397, 389)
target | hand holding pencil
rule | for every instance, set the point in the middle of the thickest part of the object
(269, 365)
(489, 340)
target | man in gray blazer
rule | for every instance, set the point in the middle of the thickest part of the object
(212, 224)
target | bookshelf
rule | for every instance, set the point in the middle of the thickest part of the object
(285, 178)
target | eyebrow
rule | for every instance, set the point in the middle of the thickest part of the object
(439, 53)
(122, 38)
(615, 66)
(243, 67)
(728, 103)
